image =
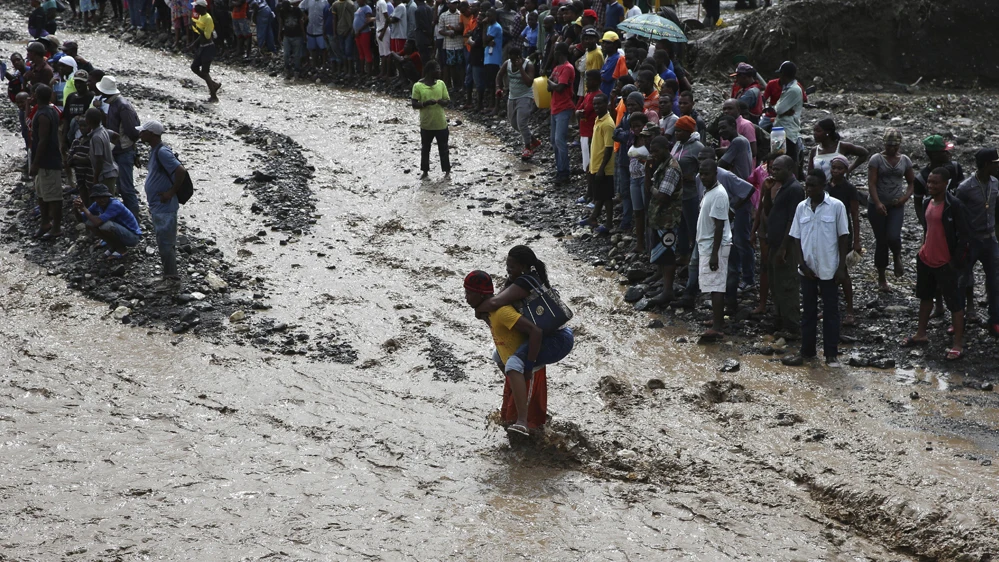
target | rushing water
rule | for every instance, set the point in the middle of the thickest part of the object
(133, 443)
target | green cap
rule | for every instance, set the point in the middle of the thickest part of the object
(935, 143)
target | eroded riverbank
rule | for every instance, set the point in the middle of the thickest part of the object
(122, 443)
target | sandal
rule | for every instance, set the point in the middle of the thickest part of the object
(518, 429)
(954, 353)
(601, 230)
(913, 342)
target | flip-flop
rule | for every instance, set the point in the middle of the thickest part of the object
(954, 353)
(518, 429)
(912, 342)
(602, 230)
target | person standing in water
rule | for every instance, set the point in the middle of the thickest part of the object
(428, 94)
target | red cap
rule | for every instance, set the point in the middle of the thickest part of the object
(480, 282)
(590, 14)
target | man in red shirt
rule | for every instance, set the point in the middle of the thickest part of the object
(770, 97)
(562, 108)
(940, 259)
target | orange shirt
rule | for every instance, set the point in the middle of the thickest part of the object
(468, 25)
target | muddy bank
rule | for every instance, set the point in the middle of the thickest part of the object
(857, 43)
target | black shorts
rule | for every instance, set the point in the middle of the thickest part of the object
(944, 279)
(203, 58)
(603, 187)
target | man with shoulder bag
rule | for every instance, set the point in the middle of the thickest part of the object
(167, 184)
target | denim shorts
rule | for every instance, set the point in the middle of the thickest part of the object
(638, 194)
(554, 348)
(124, 235)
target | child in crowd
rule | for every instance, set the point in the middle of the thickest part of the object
(587, 116)
(638, 156)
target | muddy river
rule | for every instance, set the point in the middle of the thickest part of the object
(134, 443)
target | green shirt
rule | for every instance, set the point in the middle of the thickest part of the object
(432, 117)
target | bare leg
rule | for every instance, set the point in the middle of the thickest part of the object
(518, 386)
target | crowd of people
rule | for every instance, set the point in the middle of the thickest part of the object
(628, 102)
(80, 136)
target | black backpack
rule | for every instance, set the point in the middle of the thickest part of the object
(187, 188)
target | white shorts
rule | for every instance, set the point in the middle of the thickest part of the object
(384, 45)
(713, 281)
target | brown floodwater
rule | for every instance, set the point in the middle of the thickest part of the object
(135, 443)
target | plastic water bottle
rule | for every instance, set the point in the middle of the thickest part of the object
(778, 141)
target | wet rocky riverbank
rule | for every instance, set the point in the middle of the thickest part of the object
(653, 452)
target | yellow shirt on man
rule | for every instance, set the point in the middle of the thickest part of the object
(205, 26)
(505, 336)
(603, 138)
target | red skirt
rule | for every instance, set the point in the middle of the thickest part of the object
(537, 402)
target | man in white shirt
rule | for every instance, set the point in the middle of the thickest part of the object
(714, 243)
(822, 231)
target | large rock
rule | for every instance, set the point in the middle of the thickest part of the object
(215, 282)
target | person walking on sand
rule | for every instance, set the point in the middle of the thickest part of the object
(428, 96)
(890, 184)
(821, 239)
(940, 261)
(204, 46)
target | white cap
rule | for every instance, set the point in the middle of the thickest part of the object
(154, 127)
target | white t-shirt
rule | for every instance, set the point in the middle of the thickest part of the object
(400, 29)
(714, 205)
(632, 12)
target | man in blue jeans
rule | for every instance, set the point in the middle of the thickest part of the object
(165, 177)
(562, 108)
(108, 219)
(122, 121)
(978, 194)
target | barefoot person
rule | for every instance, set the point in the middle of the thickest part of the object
(714, 245)
(46, 163)
(428, 95)
(204, 45)
(890, 183)
(940, 260)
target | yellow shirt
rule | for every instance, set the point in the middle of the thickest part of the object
(594, 59)
(505, 336)
(205, 26)
(603, 138)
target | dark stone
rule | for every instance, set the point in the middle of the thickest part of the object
(118, 270)
(730, 366)
(858, 362)
(644, 304)
(184, 298)
(262, 177)
(635, 294)
(636, 274)
(986, 386)
(655, 324)
(914, 395)
(883, 363)
(655, 384)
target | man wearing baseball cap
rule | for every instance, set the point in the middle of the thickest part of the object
(747, 90)
(938, 151)
(109, 220)
(41, 72)
(164, 179)
(978, 194)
